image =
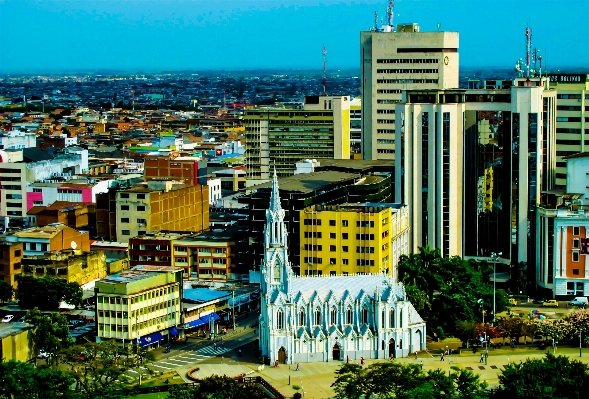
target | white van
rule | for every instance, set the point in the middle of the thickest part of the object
(579, 301)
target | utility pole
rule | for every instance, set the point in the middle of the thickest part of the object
(233, 308)
(580, 342)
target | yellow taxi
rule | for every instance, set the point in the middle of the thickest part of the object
(550, 302)
(512, 301)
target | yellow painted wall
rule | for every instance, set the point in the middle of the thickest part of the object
(19, 347)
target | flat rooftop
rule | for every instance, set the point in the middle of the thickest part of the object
(203, 295)
(8, 329)
(127, 276)
(309, 182)
(353, 164)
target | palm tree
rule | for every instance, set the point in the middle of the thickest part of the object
(421, 270)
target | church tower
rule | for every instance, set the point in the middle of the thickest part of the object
(276, 267)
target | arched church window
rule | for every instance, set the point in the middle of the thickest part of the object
(392, 318)
(364, 315)
(302, 318)
(349, 315)
(317, 316)
(382, 319)
(333, 315)
(276, 273)
(401, 317)
(279, 319)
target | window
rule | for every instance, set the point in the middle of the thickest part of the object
(332, 222)
(140, 196)
(349, 315)
(576, 243)
(125, 220)
(332, 248)
(126, 232)
(317, 316)
(332, 235)
(576, 230)
(575, 256)
(575, 272)
(392, 318)
(332, 273)
(124, 207)
(345, 223)
(141, 221)
(124, 195)
(345, 248)
(141, 208)
(364, 315)
(333, 316)
(302, 318)
(344, 261)
(37, 190)
(344, 236)
(18, 252)
(332, 261)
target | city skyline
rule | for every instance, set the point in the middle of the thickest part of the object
(198, 35)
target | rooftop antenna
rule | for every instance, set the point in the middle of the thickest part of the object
(390, 15)
(528, 50)
(324, 70)
(439, 26)
(376, 21)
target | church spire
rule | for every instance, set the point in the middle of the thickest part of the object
(275, 196)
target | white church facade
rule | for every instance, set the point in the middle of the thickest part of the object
(323, 318)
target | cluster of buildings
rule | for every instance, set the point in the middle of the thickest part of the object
(176, 220)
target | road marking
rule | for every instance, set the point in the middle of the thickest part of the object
(161, 367)
(178, 360)
(171, 364)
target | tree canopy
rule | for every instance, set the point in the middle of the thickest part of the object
(19, 380)
(6, 291)
(553, 377)
(405, 381)
(217, 387)
(446, 291)
(50, 331)
(47, 292)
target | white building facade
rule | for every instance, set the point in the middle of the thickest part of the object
(323, 318)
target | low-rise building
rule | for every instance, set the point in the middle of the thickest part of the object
(69, 265)
(140, 305)
(16, 342)
(11, 254)
(54, 237)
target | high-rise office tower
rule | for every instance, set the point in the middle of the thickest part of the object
(395, 61)
(472, 164)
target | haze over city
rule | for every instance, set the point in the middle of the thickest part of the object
(179, 34)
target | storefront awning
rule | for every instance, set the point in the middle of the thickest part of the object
(151, 339)
(207, 318)
(194, 323)
(173, 331)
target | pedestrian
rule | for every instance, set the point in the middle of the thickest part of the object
(421, 364)
(223, 345)
(442, 358)
(415, 355)
(215, 346)
(520, 363)
(566, 305)
(187, 339)
(239, 352)
(347, 359)
(482, 358)
(361, 360)
(298, 367)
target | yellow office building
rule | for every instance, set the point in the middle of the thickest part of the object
(353, 238)
(139, 304)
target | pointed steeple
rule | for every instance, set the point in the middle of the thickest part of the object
(275, 195)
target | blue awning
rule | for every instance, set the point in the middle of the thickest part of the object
(151, 339)
(207, 318)
(195, 323)
(173, 331)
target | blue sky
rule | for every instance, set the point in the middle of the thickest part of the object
(54, 35)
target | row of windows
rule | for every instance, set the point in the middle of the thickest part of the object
(385, 111)
(408, 61)
(9, 170)
(123, 328)
(385, 131)
(333, 222)
(348, 317)
(568, 96)
(568, 107)
(385, 141)
(387, 101)
(385, 121)
(68, 191)
(567, 130)
(126, 220)
(151, 247)
(140, 208)
(117, 300)
(388, 91)
(406, 71)
(393, 81)
(127, 195)
(568, 119)
(220, 272)
(383, 151)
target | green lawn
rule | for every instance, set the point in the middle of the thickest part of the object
(161, 395)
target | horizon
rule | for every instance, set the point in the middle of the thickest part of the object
(184, 35)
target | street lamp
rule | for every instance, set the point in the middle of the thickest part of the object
(495, 257)
(481, 303)
(580, 342)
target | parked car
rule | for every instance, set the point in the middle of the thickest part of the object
(75, 323)
(551, 303)
(579, 301)
(512, 301)
(539, 301)
(7, 318)
(44, 355)
(21, 320)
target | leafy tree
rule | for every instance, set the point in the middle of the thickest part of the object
(50, 331)
(396, 380)
(101, 368)
(6, 291)
(217, 387)
(19, 380)
(554, 377)
(47, 292)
